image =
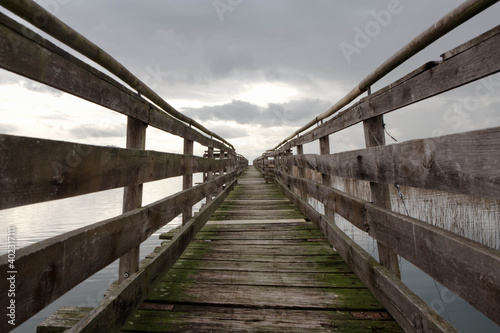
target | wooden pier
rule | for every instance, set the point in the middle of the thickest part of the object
(257, 265)
(258, 256)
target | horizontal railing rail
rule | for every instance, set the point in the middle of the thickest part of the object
(455, 18)
(32, 12)
(36, 170)
(463, 163)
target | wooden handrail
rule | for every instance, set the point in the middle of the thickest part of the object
(461, 163)
(37, 170)
(31, 12)
(455, 18)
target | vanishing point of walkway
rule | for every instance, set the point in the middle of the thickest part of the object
(259, 266)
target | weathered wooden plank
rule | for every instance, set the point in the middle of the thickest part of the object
(213, 318)
(53, 266)
(250, 257)
(464, 163)
(299, 249)
(380, 195)
(122, 301)
(132, 196)
(408, 309)
(277, 279)
(256, 221)
(431, 79)
(305, 234)
(24, 52)
(260, 266)
(38, 170)
(269, 296)
(470, 269)
(187, 181)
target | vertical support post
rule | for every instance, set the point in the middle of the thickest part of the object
(380, 195)
(210, 174)
(302, 171)
(324, 149)
(132, 195)
(187, 181)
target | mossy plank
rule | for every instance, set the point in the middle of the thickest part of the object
(64, 318)
(353, 299)
(213, 318)
(258, 276)
(318, 267)
(305, 279)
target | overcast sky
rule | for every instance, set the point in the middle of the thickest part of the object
(252, 71)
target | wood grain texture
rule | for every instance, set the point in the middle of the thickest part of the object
(380, 196)
(122, 301)
(470, 269)
(465, 163)
(132, 195)
(412, 313)
(51, 267)
(38, 170)
(284, 271)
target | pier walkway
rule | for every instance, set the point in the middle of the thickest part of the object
(259, 266)
(257, 256)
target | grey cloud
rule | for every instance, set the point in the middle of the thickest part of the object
(98, 131)
(293, 113)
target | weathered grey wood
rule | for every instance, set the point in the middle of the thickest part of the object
(210, 173)
(463, 163)
(26, 53)
(285, 266)
(470, 269)
(122, 301)
(380, 195)
(324, 149)
(187, 181)
(38, 170)
(226, 319)
(53, 266)
(132, 195)
(408, 309)
(431, 79)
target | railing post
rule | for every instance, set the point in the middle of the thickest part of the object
(210, 174)
(380, 195)
(302, 172)
(132, 196)
(187, 181)
(324, 149)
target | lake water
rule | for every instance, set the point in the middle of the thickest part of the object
(40, 221)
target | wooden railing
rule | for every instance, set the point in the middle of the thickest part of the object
(465, 163)
(39, 170)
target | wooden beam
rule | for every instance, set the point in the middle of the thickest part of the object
(124, 299)
(470, 64)
(52, 267)
(324, 149)
(210, 174)
(463, 163)
(470, 269)
(38, 170)
(375, 136)
(411, 312)
(132, 195)
(24, 52)
(187, 182)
